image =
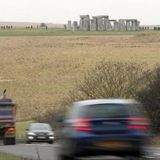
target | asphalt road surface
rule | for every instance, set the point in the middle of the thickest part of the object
(45, 151)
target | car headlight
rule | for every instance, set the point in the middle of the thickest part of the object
(50, 133)
(31, 134)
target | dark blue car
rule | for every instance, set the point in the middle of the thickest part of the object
(104, 127)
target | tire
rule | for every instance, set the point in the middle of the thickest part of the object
(50, 142)
(28, 142)
(64, 157)
(138, 154)
(13, 141)
(9, 141)
(135, 158)
(66, 151)
(4, 141)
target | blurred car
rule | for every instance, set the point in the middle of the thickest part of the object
(104, 127)
(40, 132)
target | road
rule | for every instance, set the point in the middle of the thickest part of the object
(45, 151)
(48, 152)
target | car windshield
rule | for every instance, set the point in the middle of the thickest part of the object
(109, 110)
(40, 127)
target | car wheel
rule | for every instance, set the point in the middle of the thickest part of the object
(28, 142)
(66, 150)
(50, 142)
(64, 157)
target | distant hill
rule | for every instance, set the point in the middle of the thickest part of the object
(25, 24)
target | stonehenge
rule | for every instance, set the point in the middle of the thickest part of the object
(103, 23)
(98, 23)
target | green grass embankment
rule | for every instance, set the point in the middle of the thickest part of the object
(4, 156)
(21, 128)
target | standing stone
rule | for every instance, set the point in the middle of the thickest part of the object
(105, 22)
(138, 24)
(84, 23)
(122, 25)
(134, 24)
(112, 24)
(101, 23)
(108, 25)
(93, 24)
(65, 27)
(75, 26)
(116, 26)
(128, 25)
(69, 26)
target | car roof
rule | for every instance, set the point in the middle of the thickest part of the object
(105, 101)
(6, 101)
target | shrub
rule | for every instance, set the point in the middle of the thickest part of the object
(110, 79)
(150, 97)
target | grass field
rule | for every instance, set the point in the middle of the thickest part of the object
(21, 128)
(38, 71)
(58, 32)
(4, 156)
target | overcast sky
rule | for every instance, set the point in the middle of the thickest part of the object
(60, 11)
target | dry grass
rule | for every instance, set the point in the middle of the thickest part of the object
(39, 71)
